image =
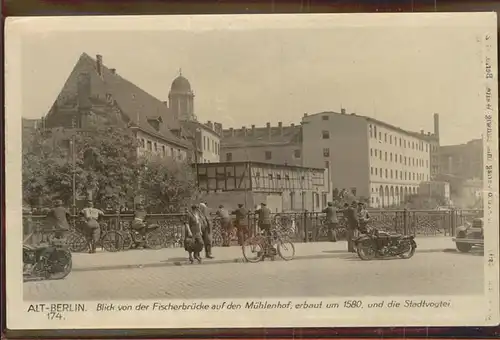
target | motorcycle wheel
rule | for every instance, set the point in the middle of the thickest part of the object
(366, 250)
(410, 252)
(63, 260)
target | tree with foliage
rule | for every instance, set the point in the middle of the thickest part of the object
(107, 167)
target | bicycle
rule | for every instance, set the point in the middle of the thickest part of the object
(109, 241)
(153, 237)
(270, 246)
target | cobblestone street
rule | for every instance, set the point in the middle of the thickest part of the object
(319, 270)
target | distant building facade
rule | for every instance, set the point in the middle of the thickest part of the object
(438, 189)
(368, 157)
(271, 144)
(206, 139)
(282, 187)
(95, 94)
(463, 160)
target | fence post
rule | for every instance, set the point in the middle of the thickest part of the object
(405, 221)
(453, 221)
(306, 229)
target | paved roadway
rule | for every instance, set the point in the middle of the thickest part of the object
(427, 273)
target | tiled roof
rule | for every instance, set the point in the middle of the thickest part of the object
(262, 136)
(136, 104)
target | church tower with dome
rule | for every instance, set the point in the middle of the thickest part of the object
(181, 99)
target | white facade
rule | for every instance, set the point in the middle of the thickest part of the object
(152, 145)
(370, 158)
(399, 162)
(209, 144)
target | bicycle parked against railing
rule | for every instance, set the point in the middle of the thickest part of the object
(78, 242)
(262, 246)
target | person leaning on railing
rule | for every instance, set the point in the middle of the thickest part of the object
(92, 228)
(58, 219)
(241, 223)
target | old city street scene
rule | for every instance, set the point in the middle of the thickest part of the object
(297, 169)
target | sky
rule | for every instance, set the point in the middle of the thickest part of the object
(401, 74)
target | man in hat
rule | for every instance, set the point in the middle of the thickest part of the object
(351, 215)
(241, 223)
(363, 217)
(225, 223)
(138, 223)
(58, 218)
(91, 216)
(264, 214)
(331, 221)
(206, 229)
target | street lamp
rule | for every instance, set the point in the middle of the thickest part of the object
(73, 163)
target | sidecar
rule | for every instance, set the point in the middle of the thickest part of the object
(470, 235)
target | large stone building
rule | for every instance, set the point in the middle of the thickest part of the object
(463, 160)
(205, 138)
(94, 93)
(270, 144)
(371, 158)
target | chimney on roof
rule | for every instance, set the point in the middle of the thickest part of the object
(292, 125)
(280, 125)
(268, 126)
(342, 111)
(113, 70)
(210, 125)
(253, 129)
(422, 132)
(99, 64)
(244, 129)
(436, 124)
(305, 114)
(231, 130)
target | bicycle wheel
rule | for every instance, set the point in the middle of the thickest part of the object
(155, 239)
(128, 240)
(77, 242)
(286, 250)
(253, 249)
(112, 241)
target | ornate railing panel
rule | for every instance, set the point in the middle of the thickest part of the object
(298, 226)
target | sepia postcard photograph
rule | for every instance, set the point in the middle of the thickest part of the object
(252, 171)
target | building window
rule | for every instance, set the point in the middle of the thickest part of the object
(390, 139)
(391, 174)
(390, 156)
(380, 135)
(371, 170)
(269, 155)
(405, 160)
(150, 145)
(385, 137)
(326, 152)
(143, 143)
(296, 153)
(400, 142)
(326, 134)
(327, 164)
(400, 158)
(374, 131)
(375, 152)
(278, 177)
(371, 152)
(386, 173)
(396, 173)
(164, 150)
(156, 147)
(386, 156)
(381, 173)
(376, 172)
(229, 157)
(380, 154)
(405, 143)
(326, 117)
(324, 200)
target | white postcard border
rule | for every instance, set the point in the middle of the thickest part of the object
(465, 311)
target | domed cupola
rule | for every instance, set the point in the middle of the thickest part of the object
(181, 98)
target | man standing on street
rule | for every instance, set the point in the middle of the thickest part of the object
(331, 221)
(58, 218)
(92, 227)
(241, 224)
(225, 224)
(206, 230)
(351, 216)
(264, 214)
